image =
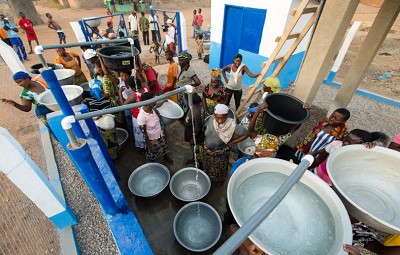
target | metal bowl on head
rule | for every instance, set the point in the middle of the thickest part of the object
(247, 147)
(122, 137)
(170, 112)
(311, 219)
(92, 21)
(149, 180)
(197, 226)
(72, 92)
(368, 182)
(185, 187)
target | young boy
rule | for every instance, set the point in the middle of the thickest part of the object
(156, 49)
(200, 49)
(27, 25)
(54, 25)
(172, 76)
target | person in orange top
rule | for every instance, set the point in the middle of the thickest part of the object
(4, 36)
(172, 77)
(71, 60)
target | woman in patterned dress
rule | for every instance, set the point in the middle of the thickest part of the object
(214, 93)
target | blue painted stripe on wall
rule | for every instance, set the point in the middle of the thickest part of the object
(215, 53)
(64, 219)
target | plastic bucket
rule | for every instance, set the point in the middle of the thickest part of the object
(117, 57)
(284, 113)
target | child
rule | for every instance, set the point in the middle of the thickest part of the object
(156, 49)
(136, 87)
(54, 25)
(124, 92)
(150, 124)
(200, 49)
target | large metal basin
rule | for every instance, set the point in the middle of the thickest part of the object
(368, 181)
(92, 21)
(72, 92)
(122, 137)
(311, 219)
(247, 147)
(170, 112)
(149, 180)
(197, 226)
(65, 76)
(190, 184)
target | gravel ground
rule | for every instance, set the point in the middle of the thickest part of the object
(92, 232)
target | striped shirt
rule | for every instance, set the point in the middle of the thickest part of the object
(319, 143)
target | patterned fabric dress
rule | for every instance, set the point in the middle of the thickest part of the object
(184, 78)
(111, 92)
(212, 99)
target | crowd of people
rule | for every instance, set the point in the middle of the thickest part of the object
(217, 131)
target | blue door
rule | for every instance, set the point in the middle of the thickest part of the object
(231, 35)
(243, 28)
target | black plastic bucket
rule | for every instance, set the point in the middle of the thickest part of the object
(117, 57)
(34, 69)
(284, 113)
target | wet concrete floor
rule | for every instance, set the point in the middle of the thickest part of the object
(156, 215)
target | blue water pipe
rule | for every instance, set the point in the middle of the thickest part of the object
(51, 79)
(83, 160)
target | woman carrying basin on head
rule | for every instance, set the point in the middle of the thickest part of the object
(221, 133)
(32, 88)
(71, 60)
(214, 93)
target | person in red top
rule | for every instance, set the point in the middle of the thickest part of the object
(27, 25)
(152, 81)
(199, 19)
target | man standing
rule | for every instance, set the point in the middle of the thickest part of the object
(172, 76)
(27, 25)
(144, 26)
(15, 40)
(199, 19)
(154, 27)
(133, 23)
(54, 25)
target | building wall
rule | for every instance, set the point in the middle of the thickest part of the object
(85, 3)
(277, 18)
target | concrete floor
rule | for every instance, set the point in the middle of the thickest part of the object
(156, 215)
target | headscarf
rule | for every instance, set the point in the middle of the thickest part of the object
(273, 83)
(21, 75)
(216, 74)
(221, 109)
(252, 110)
(185, 55)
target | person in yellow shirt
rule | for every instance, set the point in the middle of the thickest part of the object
(172, 75)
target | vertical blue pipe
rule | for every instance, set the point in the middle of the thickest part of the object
(51, 79)
(178, 26)
(103, 148)
(87, 167)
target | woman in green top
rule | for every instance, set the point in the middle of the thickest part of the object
(31, 89)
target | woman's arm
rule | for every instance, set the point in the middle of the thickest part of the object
(120, 97)
(250, 74)
(253, 120)
(25, 105)
(112, 78)
(223, 71)
(237, 140)
(394, 146)
(146, 138)
(130, 100)
(196, 80)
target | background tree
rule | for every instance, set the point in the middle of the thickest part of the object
(27, 7)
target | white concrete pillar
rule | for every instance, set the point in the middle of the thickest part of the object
(328, 36)
(380, 28)
(26, 175)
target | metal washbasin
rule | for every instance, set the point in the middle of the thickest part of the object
(247, 147)
(197, 226)
(185, 187)
(368, 182)
(149, 180)
(311, 219)
(72, 92)
(170, 112)
(122, 137)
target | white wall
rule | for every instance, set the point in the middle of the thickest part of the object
(278, 16)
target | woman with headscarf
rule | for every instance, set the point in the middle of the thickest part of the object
(71, 60)
(32, 87)
(214, 93)
(221, 133)
(187, 76)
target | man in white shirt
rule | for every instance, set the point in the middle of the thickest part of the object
(133, 23)
(154, 28)
(171, 29)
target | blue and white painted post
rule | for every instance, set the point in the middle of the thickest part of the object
(342, 53)
(26, 175)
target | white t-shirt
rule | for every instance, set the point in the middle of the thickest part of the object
(133, 21)
(171, 33)
(168, 39)
(151, 20)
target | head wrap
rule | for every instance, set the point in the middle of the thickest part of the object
(216, 72)
(273, 83)
(252, 110)
(221, 109)
(185, 55)
(169, 21)
(133, 11)
(21, 75)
